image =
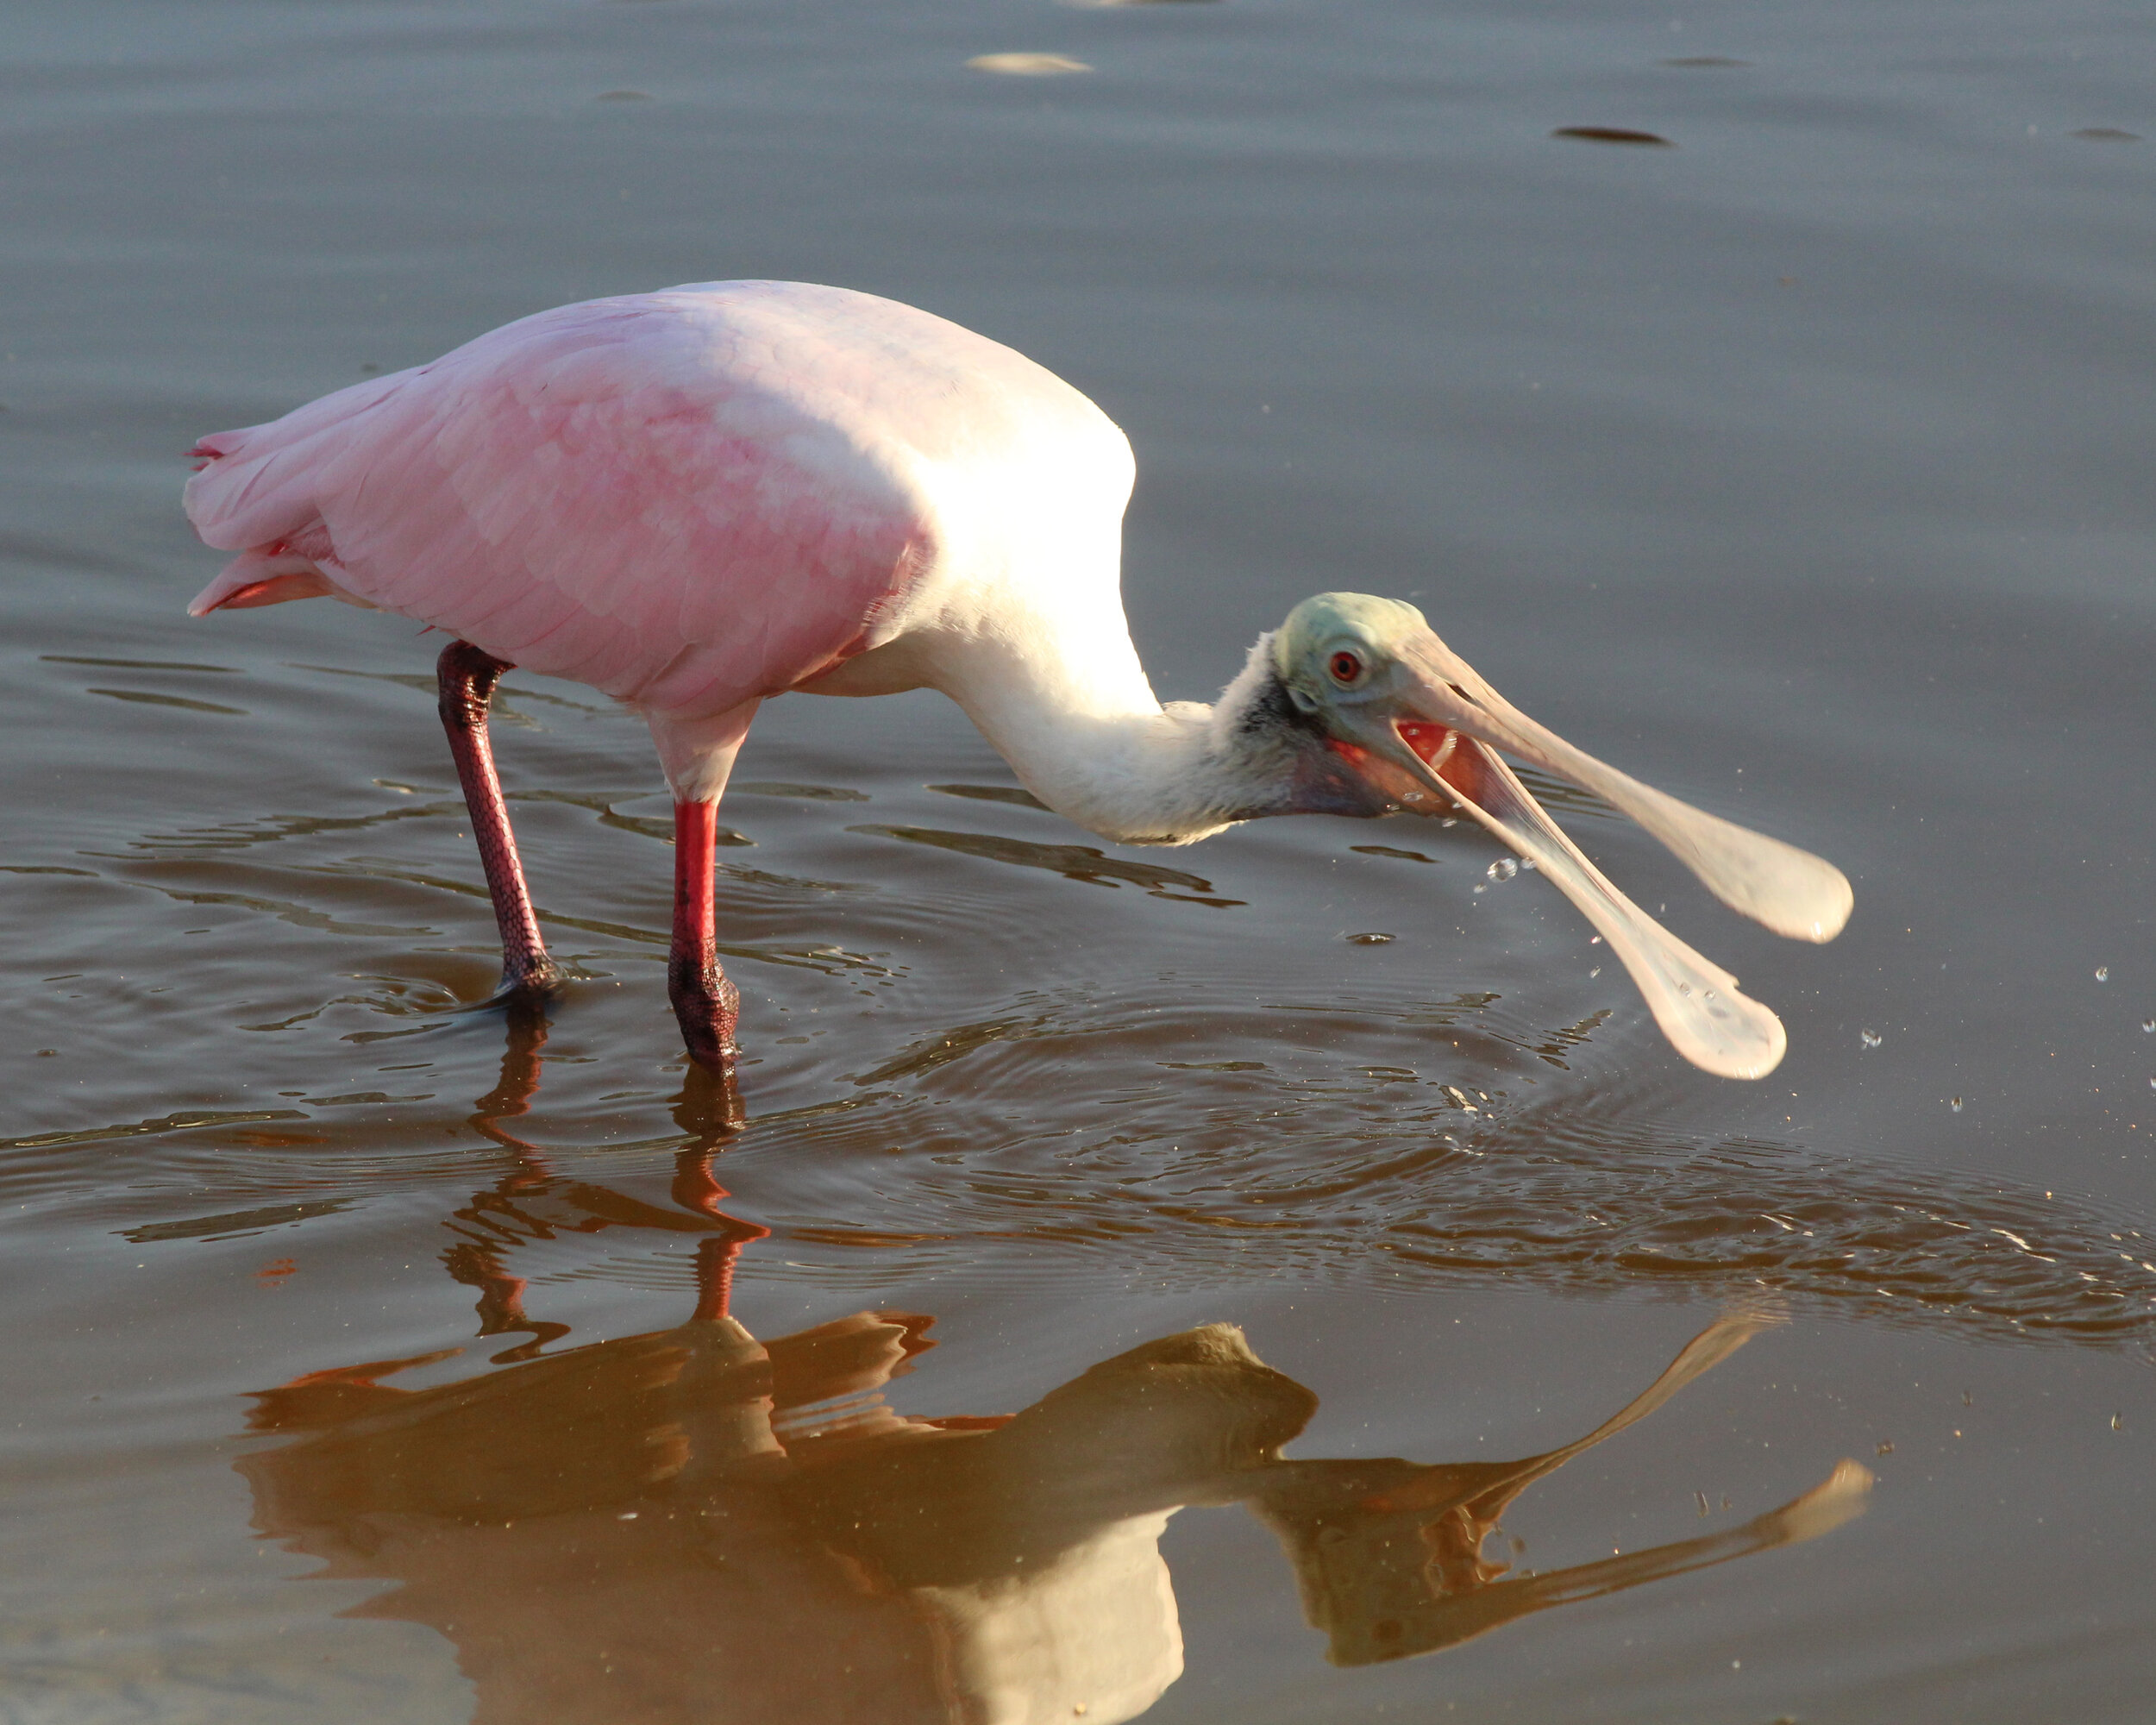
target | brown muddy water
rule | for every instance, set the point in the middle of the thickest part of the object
(365, 1356)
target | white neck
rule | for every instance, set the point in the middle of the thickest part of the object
(1077, 719)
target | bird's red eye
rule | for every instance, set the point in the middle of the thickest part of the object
(1346, 667)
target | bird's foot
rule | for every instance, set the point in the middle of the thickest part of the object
(527, 986)
(537, 978)
(707, 1006)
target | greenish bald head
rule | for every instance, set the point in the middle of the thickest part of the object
(1326, 625)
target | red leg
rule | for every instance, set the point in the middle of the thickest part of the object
(707, 1006)
(467, 677)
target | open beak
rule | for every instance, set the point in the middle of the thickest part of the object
(1439, 722)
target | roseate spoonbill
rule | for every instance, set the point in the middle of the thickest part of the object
(696, 499)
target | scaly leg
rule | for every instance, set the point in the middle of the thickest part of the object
(707, 1006)
(467, 677)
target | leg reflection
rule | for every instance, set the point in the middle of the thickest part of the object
(501, 1303)
(709, 1107)
(512, 1093)
(532, 1203)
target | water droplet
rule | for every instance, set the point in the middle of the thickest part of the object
(1370, 939)
(2148, 1027)
(1955, 1105)
(1526, 863)
(1480, 887)
(1708, 995)
(1596, 971)
(1684, 987)
(1871, 1038)
(1502, 870)
(2118, 1422)
(2103, 973)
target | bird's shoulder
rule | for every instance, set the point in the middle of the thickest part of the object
(760, 366)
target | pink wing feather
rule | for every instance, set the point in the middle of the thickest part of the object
(686, 498)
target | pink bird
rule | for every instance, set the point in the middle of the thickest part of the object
(697, 499)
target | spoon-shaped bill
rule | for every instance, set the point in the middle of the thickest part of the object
(1695, 1002)
(1485, 1492)
(1787, 890)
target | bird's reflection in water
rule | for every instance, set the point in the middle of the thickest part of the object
(694, 1524)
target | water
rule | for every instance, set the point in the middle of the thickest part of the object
(1798, 468)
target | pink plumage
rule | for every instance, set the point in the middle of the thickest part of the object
(687, 499)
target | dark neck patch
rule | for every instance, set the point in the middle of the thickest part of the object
(1313, 777)
(1273, 711)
